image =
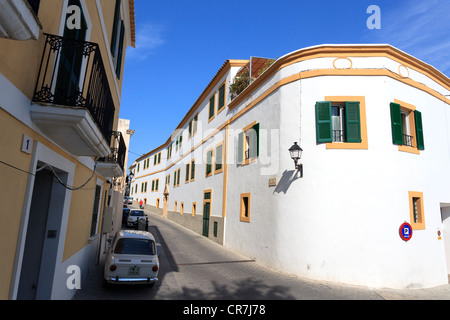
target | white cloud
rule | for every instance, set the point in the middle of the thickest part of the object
(420, 28)
(148, 38)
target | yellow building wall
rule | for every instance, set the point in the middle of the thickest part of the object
(19, 63)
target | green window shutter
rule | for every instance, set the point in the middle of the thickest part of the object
(254, 140)
(419, 130)
(190, 129)
(157, 185)
(323, 122)
(159, 157)
(352, 122)
(153, 185)
(178, 177)
(221, 97)
(187, 173)
(192, 169)
(396, 123)
(174, 178)
(209, 162)
(211, 107)
(240, 152)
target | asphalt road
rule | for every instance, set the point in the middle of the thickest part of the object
(195, 268)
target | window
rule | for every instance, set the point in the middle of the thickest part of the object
(245, 207)
(178, 142)
(338, 122)
(211, 107)
(407, 130)
(218, 168)
(95, 210)
(416, 210)
(194, 208)
(248, 144)
(176, 178)
(221, 102)
(117, 39)
(182, 208)
(169, 151)
(168, 179)
(157, 159)
(157, 203)
(34, 4)
(193, 126)
(175, 206)
(209, 161)
(341, 122)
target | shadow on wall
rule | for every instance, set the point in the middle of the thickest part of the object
(286, 180)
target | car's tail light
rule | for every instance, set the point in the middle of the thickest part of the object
(113, 267)
(155, 268)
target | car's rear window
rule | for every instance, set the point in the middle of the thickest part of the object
(135, 246)
(137, 213)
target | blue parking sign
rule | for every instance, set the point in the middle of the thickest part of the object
(406, 231)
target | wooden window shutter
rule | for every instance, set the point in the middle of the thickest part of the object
(323, 122)
(352, 122)
(419, 130)
(211, 107)
(254, 140)
(120, 52)
(209, 162)
(396, 123)
(240, 151)
(221, 97)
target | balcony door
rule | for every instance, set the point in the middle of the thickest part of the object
(67, 90)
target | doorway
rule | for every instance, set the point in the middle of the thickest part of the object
(206, 211)
(445, 217)
(42, 235)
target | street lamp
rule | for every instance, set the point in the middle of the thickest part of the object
(296, 154)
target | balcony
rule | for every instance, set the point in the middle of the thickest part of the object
(72, 103)
(113, 165)
(18, 19)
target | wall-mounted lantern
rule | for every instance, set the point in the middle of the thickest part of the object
(296, 154)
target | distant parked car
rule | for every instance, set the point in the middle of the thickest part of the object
(130, 200)
(125, 213)
(134, 216)
(132, 258)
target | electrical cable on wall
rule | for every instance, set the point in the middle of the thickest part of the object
(62, 183)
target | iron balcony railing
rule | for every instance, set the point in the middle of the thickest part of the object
(338, 135)
(118, 151)
(407, 140)
(72, 74)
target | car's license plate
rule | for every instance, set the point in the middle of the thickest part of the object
(133, 271)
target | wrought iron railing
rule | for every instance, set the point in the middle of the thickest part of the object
(72, 74)
(338, 135)
(118, 150)
(407, 140)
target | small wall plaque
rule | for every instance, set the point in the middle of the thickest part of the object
(272, 182)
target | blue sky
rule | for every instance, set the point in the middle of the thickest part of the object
(181, 44)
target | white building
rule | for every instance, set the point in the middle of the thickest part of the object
(373, 122)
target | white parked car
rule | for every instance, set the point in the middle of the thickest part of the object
(132, 258)
(134, 216)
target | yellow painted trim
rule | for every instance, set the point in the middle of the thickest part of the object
(243, 218)
(175, 206)
(181, 208)
(157, 203)
(364, 144)
(342, 58)
(420, 225)
(225, 172)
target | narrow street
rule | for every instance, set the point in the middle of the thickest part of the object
(195, 268)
